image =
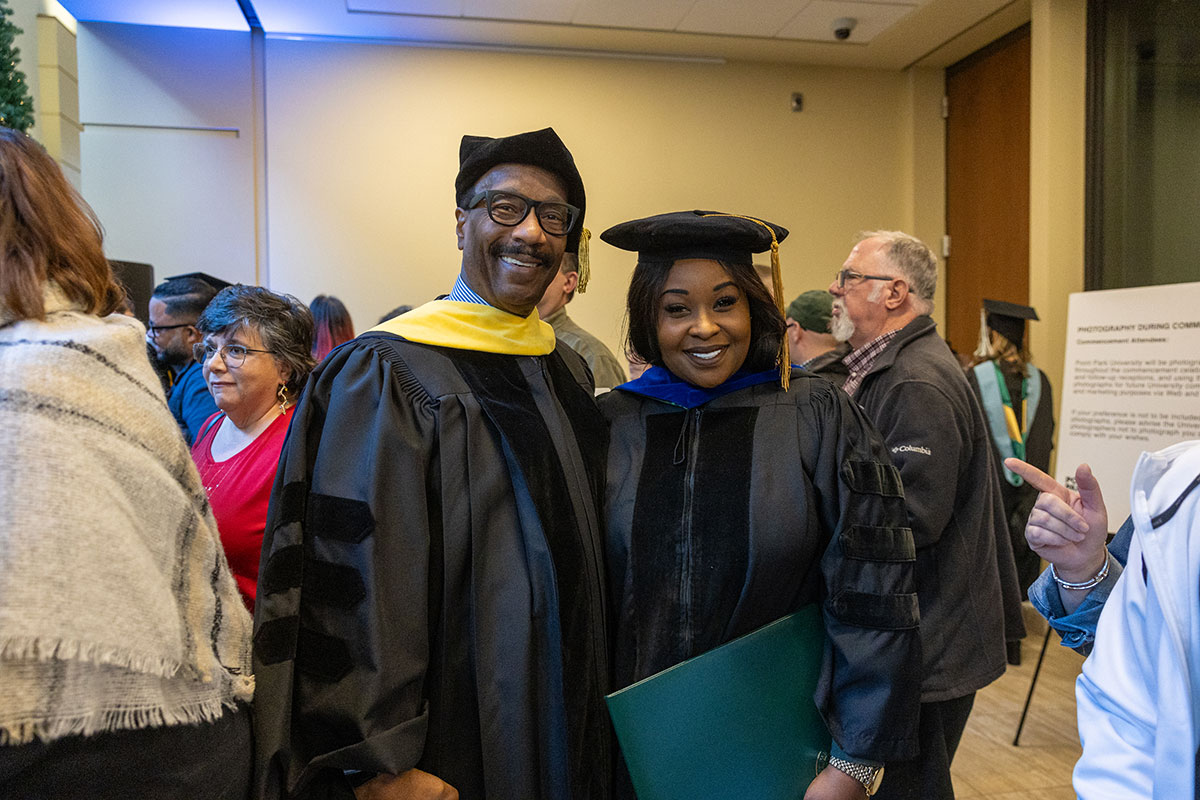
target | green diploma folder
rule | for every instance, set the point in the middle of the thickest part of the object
(736, 722)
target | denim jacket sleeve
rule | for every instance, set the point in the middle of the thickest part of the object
(1078, 629)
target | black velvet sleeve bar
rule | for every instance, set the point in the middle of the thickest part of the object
(724, 517)
(345, 573)
(432, 590)
(869, 694)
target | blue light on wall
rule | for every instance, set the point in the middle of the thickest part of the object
(223, 15)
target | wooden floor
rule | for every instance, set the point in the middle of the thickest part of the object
(987, 766)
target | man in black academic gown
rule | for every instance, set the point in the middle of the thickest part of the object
(431, 609)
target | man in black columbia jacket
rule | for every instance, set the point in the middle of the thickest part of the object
(906, 379)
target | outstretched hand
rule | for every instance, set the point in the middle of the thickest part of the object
(1067, 528)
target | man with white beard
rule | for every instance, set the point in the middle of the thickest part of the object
(911, 386)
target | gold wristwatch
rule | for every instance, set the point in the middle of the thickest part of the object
(870, 777)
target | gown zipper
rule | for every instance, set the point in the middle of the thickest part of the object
(690, 437)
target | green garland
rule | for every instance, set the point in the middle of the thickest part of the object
(16, 106)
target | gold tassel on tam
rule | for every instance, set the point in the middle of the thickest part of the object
(784, 359)
(585, 267)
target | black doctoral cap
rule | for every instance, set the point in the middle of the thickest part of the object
(1008, 319)
(715, 235)
(478, 154)
(203, 277)
(731, 238)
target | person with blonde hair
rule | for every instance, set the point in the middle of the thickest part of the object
(1019, 405)
(124, 648)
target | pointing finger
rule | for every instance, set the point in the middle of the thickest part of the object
(1036, 478)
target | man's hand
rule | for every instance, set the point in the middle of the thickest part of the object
(1068, 529)
(411, 785)
(833, 784)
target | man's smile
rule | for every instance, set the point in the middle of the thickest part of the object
(520, 258)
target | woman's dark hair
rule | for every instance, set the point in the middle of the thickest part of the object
(282, 322)
(395, 312)
(643, 306)
(48, 233)
(332, 322)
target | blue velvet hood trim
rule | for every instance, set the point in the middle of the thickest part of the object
(661, 384)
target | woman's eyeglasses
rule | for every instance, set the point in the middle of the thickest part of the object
(234, 355)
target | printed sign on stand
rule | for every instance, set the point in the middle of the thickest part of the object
(1131, 383)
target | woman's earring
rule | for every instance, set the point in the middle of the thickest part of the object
(283, 399)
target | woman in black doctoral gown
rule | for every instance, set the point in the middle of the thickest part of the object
(739, 491)
(1019, 404)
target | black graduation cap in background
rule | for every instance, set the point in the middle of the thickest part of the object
(1008, 319)
(203, 277)
(696, 234)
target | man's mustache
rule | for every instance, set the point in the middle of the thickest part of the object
(543, 259)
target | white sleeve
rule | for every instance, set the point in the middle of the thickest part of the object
(1116, 694)
(1137, 683)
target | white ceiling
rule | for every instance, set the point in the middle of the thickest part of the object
(890, 34)
(771, 19)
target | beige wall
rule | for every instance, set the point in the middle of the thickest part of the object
(57, 98)
(925, 167)
(1058, 119)
(361, 150)
(362, 144)
(168, 146)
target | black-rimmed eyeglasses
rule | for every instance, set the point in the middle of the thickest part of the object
(844, 275)
(510, 209)
(154, 330)
(234, 355)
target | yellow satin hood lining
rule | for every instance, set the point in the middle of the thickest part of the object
(471, 326)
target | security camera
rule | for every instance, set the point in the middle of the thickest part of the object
(842, 27)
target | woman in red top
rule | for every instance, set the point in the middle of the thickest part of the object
(255, 356)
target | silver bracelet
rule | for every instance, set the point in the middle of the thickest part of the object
(1090, 583)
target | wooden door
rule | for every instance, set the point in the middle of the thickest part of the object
(987, 183)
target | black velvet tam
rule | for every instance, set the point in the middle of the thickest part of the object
(1008, 319)
(478, 154)
(695, 234)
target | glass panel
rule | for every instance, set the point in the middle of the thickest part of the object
(1144, 127)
